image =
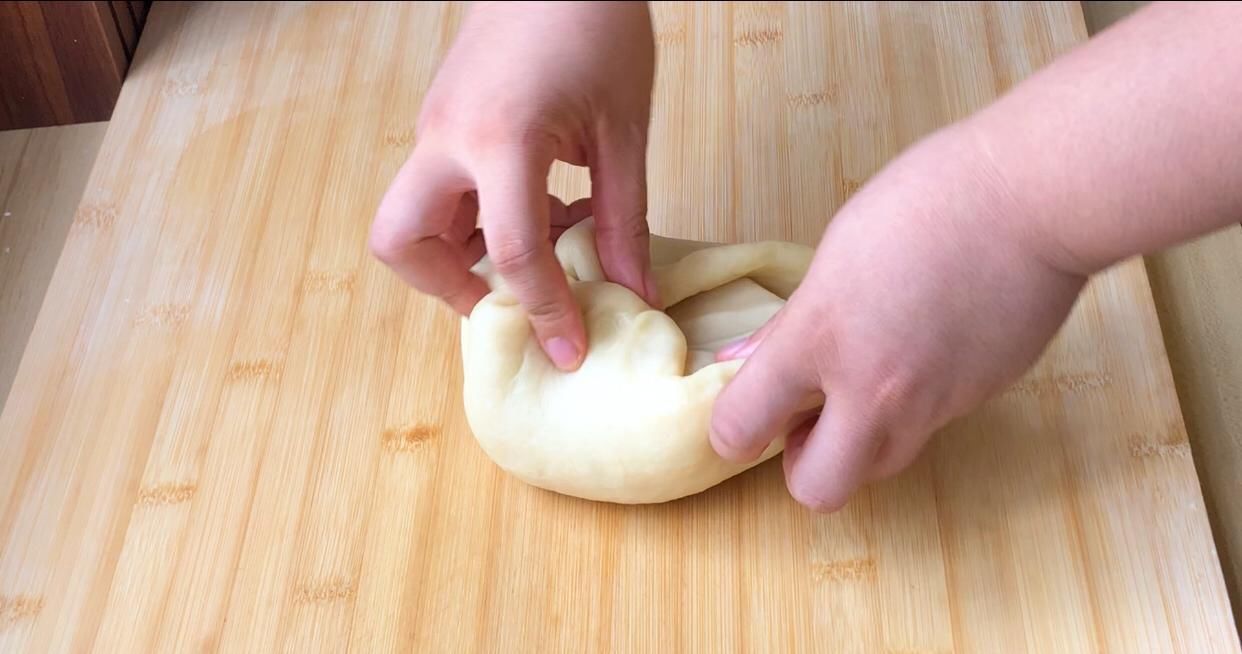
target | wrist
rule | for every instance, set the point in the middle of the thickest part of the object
(1024, 208)
(948, 189)
(976, 195)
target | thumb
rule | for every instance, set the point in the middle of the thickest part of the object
(619, 197)
(774, 385)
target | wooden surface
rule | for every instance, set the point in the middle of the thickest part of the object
(126, 25)
(42, 174)
(265, 446)
(1196, 287)
(1103, 14)
(1196, 291)
(63, 62)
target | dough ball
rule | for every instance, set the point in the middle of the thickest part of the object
(631, 425)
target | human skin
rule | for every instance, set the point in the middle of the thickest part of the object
(945, 277)
(525, 84)
(936, 286)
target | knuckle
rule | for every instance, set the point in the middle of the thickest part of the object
(387, 246)
(825, 353)
(515, 255)
(631, 224)
(480, 129)
(891, 391)
(487, 135)
(494, 136)
(896, 388)
(433, 118)
(548, 312)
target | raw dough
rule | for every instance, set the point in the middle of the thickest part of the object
(630, 426)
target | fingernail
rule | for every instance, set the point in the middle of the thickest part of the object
(563, 353)
(739, 349)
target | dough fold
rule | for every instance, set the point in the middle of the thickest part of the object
(631, 425)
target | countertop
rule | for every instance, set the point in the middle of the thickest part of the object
(43, 171)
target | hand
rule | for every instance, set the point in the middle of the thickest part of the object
(928, 293)
(523, 85)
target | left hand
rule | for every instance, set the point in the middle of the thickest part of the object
(524, 85)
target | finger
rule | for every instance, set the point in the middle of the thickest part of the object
(419, 206)
(465, 219)
(746, 346)
(472, 244)
(759, 403)
(619, 198)
(513, 208)
(473, 248)
(898, 452)
(464, 233)
(825, 465)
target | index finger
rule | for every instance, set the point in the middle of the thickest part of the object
(419, 206)
(513, 210)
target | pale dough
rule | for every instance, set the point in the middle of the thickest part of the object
(631, 425)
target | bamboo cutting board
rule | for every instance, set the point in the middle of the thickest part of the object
(232, 429)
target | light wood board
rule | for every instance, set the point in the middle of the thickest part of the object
(42, 174)
(1195, 287)
(236, 431)
(1100, 15)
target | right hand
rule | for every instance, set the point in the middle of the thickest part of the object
(523, 85)
(931, 291)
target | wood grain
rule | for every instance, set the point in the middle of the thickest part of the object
(1195, 288)
(34, 92)
(1200, 309)
(126, 25)
(266, 449)
(60, 62)
(42, 174)
(1100, 15)
(139, 9)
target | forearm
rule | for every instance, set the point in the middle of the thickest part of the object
(1129, 144)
